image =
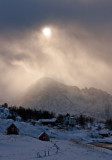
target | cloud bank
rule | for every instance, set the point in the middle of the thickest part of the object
(77, 53)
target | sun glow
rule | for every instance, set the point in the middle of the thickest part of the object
(47, 32)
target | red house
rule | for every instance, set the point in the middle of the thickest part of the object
(44, 137)
(12, 129)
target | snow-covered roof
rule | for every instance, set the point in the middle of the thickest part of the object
(72, 117)
(47, 120)
(104, 131)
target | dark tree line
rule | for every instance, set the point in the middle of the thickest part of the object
(80, 120)
(27, 113)
(83, 120)
(108, 124)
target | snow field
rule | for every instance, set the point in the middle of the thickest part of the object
(27, 148)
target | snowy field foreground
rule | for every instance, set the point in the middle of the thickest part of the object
(26, 148)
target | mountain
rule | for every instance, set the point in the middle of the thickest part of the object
(51, 95)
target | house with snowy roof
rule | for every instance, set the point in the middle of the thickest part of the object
(69, 120)
(48, 121)
(104, 133)
(12, 129)
(44, 137)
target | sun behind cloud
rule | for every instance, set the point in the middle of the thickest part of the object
(46, 31)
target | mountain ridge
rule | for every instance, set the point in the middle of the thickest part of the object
(48, 94)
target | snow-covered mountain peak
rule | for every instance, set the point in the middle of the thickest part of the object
(51, 95)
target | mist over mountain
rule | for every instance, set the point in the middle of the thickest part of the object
(51, 95)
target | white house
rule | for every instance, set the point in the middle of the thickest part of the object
(69, 120)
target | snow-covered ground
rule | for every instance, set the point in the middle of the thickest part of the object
(27, 148)
(28, 129)
(26, 145)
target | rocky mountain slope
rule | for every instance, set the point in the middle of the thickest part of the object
(48, 94)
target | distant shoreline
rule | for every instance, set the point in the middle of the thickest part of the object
(102, 144)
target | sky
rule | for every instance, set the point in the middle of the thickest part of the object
(78, 51)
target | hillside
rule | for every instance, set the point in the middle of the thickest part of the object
(48, 94)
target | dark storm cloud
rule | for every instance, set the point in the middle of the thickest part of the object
(26, 13)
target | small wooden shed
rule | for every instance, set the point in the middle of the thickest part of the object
(104, 133)
(12, 129)
(44, 137)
